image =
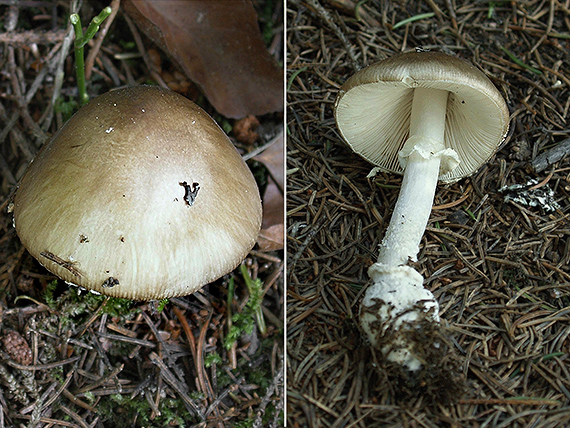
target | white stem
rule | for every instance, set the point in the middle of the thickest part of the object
(398, 299)
(422, 154)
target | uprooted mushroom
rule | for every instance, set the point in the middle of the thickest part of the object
(431, 117)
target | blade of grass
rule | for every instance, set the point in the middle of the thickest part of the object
(294, 75)
(517, 61)
(413, 19)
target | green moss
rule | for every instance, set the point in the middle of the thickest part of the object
(243, 322)
(121, 410)
(247, 423)
(211, 359)
(224, 380)
(161, 305)
(75, 306)
(66, 108)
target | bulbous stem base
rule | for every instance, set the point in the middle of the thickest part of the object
(393, 311)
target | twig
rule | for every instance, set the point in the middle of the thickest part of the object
(271, 390)
(17, 87)
(200, 362)
(101, 380)
(451, 204)
(25, 38)
(42, 366)
(522, 401)
(74, 416)
(555, 154)
(543, 182)
(326, 17)
(57, 66)
(154, 73)
(192, 345)
(173, 382)
(50, 421)
(262, 148)
(78, 402)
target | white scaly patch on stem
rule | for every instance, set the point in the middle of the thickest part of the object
(397, 285)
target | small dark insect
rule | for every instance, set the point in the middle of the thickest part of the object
(110, 282)
(64, 264)
(191, 191)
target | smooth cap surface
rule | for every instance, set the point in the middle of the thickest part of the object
(373, 109)
(139, 195)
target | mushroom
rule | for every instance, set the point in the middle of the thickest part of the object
(140, 195)
(431, 117)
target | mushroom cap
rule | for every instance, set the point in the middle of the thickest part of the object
(373, 110)
(139, 195)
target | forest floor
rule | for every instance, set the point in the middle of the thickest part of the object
(498, 267)
(70, 359)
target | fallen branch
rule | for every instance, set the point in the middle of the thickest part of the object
(551, 156)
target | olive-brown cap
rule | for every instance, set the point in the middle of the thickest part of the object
(373, 109)
(139, 195)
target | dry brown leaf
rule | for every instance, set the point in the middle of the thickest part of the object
(273, 160)
(219, 47)
(271, 237)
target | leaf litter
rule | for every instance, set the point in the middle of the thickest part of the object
(198, 33)
(498, 268)
(77, 360)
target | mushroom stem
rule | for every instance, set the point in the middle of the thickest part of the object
(421, 156)
(397, 298)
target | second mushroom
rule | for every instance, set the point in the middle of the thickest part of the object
(430, 117)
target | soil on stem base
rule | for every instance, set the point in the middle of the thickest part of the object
(440, 377)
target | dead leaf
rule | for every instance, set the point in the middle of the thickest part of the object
(273, 160)
(218, 45)
(272, 235)
(271, 239)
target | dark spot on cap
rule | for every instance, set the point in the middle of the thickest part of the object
(190, 192)
(110, 282)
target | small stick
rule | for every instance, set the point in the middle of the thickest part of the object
(325, 16)
(101, 380)
(187, 330)
(451, 204)
(544, 160)
(42, 366)
(173, 382)
(70, 266)
(26, 38)
(543, 182)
